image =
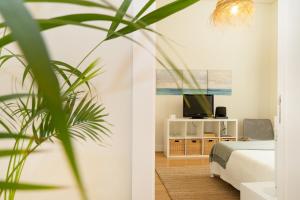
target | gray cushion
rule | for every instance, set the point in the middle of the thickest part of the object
(258, 129)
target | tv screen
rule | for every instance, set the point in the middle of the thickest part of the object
(198, 106)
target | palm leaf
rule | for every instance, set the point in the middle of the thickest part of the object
(9, 152)
(26, 32)
(87, 120)
(119, 15)
(75, 2)
(73, 19)
(89, 73)
(13, 136)
(155, 16)
(8, 97)
(72, 71)
(143, 10)
(25, 186)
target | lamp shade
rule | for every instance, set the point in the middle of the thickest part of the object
(233, 12)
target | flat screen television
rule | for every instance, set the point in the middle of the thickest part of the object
(198, 106)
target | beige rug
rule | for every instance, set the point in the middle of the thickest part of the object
(194, 183)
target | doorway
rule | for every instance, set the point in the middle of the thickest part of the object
(248, 52)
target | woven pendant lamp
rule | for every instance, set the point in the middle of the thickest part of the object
(233, 12)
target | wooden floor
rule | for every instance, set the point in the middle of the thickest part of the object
(161, 161)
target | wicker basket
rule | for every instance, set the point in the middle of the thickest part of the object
(194, 147)
(177, 147)
(208, 144)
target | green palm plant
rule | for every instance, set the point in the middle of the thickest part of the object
(85, 117)
(59, 102)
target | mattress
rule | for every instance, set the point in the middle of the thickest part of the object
(246, 166)
(221, 152)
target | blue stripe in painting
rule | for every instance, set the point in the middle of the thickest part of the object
(226, 92)
(168, 91)
(194, 91)
(174, 91)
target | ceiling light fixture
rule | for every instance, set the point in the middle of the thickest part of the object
(233, 12)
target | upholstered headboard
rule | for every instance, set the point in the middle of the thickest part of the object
(258, 129)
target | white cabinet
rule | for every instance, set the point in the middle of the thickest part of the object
(186, 137)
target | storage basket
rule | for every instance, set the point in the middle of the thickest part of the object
(194, 147)
(177, 147)
(208, 144)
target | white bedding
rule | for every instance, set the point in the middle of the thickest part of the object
(247, 166)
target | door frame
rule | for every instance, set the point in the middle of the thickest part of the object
(289, 108)
(281, 167)
(143, 113)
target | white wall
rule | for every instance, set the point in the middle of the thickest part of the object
(249, 51)
(107, 171)
(143, 113)
(288, 62)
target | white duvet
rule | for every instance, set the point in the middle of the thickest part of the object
(247, 166)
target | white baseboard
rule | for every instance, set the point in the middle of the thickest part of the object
(159, 148)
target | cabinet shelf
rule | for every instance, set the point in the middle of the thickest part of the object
(177, 138)
(193, 137)
(186, 130)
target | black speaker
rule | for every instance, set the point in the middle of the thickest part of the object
(221, 112)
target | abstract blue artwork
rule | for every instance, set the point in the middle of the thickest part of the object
(171, 82)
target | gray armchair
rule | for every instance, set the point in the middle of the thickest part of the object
(258, 129)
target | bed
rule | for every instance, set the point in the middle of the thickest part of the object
(239, 162)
